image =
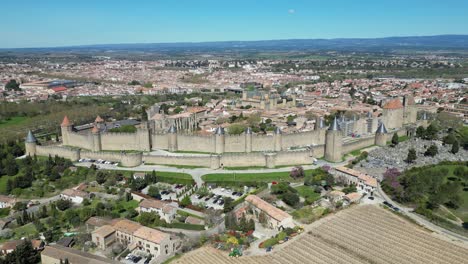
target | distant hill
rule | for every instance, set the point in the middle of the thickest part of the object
(440, 42)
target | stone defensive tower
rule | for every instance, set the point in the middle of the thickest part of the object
(248, 140)
(30, 144)
(333, 144)
(172, 144)
(219, 140)
(278, 137)
(393, 114)
(381, 135)
(66, 129)
(96, 135)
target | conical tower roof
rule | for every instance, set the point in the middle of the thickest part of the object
(65, 121)
(278, 131)
(321, 123)
(30, 138)
(219, 131)
(172, 129)
(334, 125)
(381, 129)
(99, 119)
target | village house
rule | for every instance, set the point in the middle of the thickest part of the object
(159, 244)
(364, 183)
(165, 210)
(7, 202)
(275, 217)
(75, 196)
(103, 236)
(10, 246)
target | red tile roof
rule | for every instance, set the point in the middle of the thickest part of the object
(393, 104)
(65, 121)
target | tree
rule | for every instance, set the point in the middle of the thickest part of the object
(411, 155)
(455, 147)
(395, 139)
(420, 132)
(228, 204)
(236, 129)
(350, 189)
(63, 204)
(12, 85)
(185, 201)
(431, 132)
(291, 198)
(24, 253)
(153, 191)
(11, 168)
(101, 177)
(431, 151)
(297, 172)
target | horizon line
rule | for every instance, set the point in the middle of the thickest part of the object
(224, 41)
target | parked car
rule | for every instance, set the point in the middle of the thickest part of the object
(370, 197)
(269, 249)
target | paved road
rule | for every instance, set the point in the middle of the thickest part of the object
(420, 220)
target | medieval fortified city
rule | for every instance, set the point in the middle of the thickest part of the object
(290, 145)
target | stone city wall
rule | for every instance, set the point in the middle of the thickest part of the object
(357, 144)
(202, 161)
(81, 141)
(65, 152)
(126, 159)
(195, 143)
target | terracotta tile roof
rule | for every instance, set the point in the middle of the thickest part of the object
(95, 129)
(393, 104)
(152, 203)
(150, 234)
(352, 197)
(98, 221)
(99, 119)
(269, 209)
(194, 221)
(65, 121)
(368, 180)
(126, 226)
(104, 231)
(7, 199)
(75, 193)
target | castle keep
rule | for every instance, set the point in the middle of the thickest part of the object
(221, 149)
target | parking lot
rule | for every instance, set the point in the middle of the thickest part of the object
(216, 199)
(136, 257)
(97, 162)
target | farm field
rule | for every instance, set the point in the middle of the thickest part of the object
(363, 234)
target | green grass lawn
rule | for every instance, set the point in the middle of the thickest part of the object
(25, 231)
(308, 214)
(13, 121)
(308, 193)
(3, 182)
(282, 176)
(247, 177)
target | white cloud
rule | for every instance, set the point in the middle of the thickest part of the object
(291, 11)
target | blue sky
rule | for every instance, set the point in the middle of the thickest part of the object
(48, 23)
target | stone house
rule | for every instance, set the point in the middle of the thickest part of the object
(7, 202)
(165, 210)
(75, 196)
(275, 217)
